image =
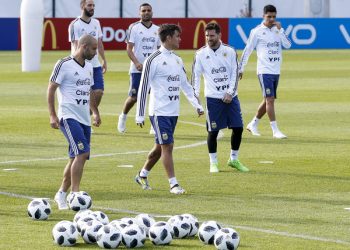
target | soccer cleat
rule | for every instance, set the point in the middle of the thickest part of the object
(177, 189)
(237, 165)
(60, 199)
(122, 123)
(143, 182)
(253, 129)
(214, 167)
(279, 135)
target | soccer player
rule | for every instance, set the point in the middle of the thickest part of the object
(165, 75)
(142, 40)
(86, 24)
(268, 39)
(72, 77)
(217, 62)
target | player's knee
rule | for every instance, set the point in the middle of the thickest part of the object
(212, 135)
(238, 131)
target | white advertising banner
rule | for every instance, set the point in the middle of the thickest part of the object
(161, 8)
(222, 8)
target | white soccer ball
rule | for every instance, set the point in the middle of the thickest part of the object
(108, 237)
(39, 209)
(133, 236)
(145, 221)
(82, 221)
(180, 225)
(80, 215)
(101, 217)
(160, 233)
(119, 224)
(226, 239)
(207, 231)
(129, 220)
(194, 224)
(64, 233)
(89, 231)
(79, 201)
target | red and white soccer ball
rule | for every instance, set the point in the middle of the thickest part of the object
(160, 233)
(39, 209)
(64, 233)
(226, 239)
(207, 231)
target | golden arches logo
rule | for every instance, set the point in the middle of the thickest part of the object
(200, 24)
(49, 23)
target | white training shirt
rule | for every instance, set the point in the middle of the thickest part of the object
(220, 70)
(164, 73)
(268, 43)
(145, 40)
(73, 93)
(79, 27)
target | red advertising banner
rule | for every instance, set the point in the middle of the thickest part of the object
(55, 33)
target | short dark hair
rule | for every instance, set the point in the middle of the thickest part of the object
(269, 8)
(167, 30)
(82, 3)
(145, 4)
(213, 26)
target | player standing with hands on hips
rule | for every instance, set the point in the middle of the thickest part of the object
(165, 75)
(217, 62)
(268, 39)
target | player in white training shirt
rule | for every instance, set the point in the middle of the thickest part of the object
(72, 77)
(86, 24)
(164, 74)
(142, 40)
(217, 62)
(268, 39)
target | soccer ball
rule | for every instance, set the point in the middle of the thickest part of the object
(194, 224)
(101, 217)
(133, 236)
(160, 233)
(82, 222)
(226, 239)
(118, 224)
(207, 230)
(108, 237)
(89, 231)
(145, 221)
(80, 215)
(39, 209)
(64, 233)
(79, 201)
(128, 220)
(180, 225)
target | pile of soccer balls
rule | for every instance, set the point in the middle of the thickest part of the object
(95, 227)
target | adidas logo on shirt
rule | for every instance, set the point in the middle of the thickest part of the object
(164, 63)
(76, 74)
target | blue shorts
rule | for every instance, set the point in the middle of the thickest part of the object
(98, 79)
(223, 115)
(77, 135)
(164, 126)
(135, 79)
(268, 84)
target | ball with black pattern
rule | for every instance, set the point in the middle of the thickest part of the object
(160, 233)
(207, 231)
(78, 201)
(226, 239)
(108, 237)
(89, 231)
(133, 236)
(194, 224)
(180, 225)
(39, 209)
(101, 217)
(64, 233)
(145, 221)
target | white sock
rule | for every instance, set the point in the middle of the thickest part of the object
(144, 173)
(255, 121)
(213, 157)
(234, 154)
(173, 182)
(274, 126)
(123, 115)
(61, 193)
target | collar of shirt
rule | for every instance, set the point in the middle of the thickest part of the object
(165, 51)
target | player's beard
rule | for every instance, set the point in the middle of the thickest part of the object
(146, 18)
(89, 13)
(213, 43)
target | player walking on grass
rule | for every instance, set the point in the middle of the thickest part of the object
(268, 39)
(165, 75)
(217, 62)
(86, 24)
(72, 77)
(142, 40)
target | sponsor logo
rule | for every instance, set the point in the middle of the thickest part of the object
(274, 44)
(174, 78)
(171, 88)
(148, 39)
(86, 81)
(164, 63)
(49, 23)
(218, 70)
(200, 24)
(76, 74)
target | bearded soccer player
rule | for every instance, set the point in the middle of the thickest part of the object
(268, 39)
(217, 62)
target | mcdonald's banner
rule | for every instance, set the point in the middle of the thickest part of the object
(55, 32)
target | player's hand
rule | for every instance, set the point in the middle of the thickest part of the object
(240, 75)
(139, 66)
(104, 66)
(96, 120)
(140, 124)
(278, 25)
(54, 122)
(200, 112)
(227, 98)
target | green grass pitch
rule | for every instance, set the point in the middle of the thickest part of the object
(295, 202)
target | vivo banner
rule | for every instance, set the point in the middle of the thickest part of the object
(305, 33)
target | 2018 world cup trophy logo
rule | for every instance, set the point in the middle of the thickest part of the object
(49, 24)
(200, 27)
